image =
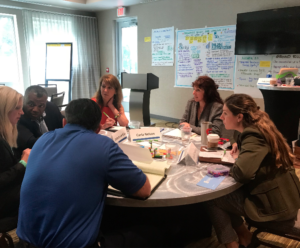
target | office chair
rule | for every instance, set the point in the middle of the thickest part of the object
(58, 99)
(50, 88)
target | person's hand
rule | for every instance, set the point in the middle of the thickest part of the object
(110, 103)
(234, 148)
(108, 123)
(25, 154)
(185, 125)
(236, 154)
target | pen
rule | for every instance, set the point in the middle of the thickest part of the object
(105, 114)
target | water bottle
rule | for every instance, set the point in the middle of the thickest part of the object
(204, 126)
(269, 75)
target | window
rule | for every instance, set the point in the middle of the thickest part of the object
(10, 59)
(126, 53)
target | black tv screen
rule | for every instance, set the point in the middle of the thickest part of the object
(274, 31)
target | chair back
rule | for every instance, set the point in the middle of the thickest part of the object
(58, 99)
(50, 88)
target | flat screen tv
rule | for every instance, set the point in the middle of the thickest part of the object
(274, 31)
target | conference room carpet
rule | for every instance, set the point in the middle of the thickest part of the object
(212, 241)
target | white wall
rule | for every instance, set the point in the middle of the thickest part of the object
(182, 14)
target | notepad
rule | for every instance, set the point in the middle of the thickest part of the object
(155, 171)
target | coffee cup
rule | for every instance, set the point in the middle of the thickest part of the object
(212, 141)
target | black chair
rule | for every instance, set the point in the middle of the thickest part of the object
(50, 88)
(58, 99)
(7, 224)
(288, 229)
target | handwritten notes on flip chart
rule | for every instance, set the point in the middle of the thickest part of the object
(250, 68)
(206, 51)
(163, 47)
(285, 61)
(247, 72)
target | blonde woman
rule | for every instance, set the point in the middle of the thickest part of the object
(264, 165)
(11, 170)
(109, 97)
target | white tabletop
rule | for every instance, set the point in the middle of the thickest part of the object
(179, 188)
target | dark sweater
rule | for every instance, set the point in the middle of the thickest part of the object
(11, 176)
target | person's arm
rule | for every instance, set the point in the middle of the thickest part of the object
(26, 138)
(145, 191)
(121, 117)
(252, 153)
(186, 115)
(14, 172)
(233, 142)
(124, 175)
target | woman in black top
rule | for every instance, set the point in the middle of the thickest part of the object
(11, 170)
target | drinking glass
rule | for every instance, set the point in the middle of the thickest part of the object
(134, 124)
(185, 135)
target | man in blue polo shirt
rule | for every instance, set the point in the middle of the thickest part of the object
(66, 180)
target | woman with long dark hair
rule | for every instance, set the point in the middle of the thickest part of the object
(109, 97)
(264, 165)
(206, 105)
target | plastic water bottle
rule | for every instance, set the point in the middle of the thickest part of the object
(269, 75)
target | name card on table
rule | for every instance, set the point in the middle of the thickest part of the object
(151, 133)
(119, 136)
(189, 156)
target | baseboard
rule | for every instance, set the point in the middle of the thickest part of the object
(165, 118)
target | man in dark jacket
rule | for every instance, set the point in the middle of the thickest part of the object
(40, 116)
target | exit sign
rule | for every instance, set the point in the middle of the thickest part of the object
(121, 11)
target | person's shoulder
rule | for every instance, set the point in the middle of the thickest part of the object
(191, 102)
(252, 134)
(217, 105)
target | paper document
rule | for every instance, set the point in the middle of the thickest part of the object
(176, 134)
(228, 158)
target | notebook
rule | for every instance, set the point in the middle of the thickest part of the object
(156, 171)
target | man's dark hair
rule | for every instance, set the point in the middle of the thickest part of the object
(38, 90)
(84, 112)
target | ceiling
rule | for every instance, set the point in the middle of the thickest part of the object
(86, 5)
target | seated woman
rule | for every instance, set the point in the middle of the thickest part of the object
(206, 105)
(11, 169)
(264, 165)
(109, 97)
